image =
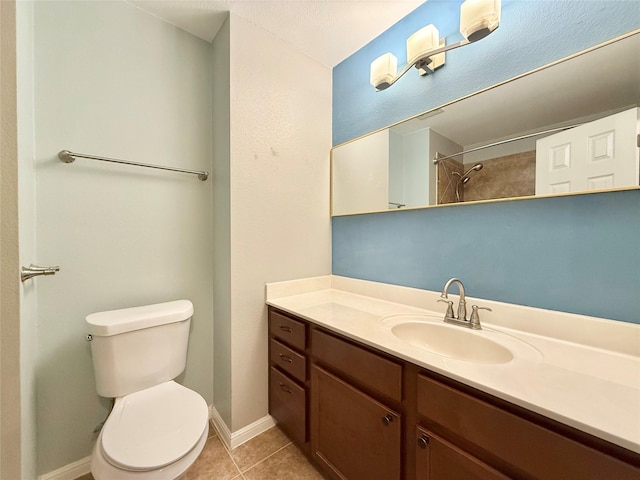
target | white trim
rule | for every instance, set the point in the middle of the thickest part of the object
(221, 427)
(70, 471)
(235, 439)
(231, 440)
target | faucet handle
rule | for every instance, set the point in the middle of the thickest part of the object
(449, 313)
(475, 318)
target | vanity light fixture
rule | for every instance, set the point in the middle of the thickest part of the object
(426, 50)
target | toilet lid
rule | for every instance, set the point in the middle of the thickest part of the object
(155, 427)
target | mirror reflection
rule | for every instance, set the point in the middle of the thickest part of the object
(578, 119)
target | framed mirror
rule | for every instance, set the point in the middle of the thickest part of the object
(569, 127)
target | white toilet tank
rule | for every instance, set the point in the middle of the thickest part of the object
(140, 347)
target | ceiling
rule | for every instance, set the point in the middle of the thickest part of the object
(331, 30)
(325, 30)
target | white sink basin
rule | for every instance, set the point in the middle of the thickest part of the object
(452, 341)
(430, 334)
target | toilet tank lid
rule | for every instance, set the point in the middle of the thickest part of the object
(113, 322)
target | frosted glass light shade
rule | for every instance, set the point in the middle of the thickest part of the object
(421, 42)
(478, 18)
(383, 71)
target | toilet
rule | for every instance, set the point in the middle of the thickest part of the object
(157, 428)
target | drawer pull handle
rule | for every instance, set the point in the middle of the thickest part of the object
(284, 328)
(387, 419)
(285, 388)
(423, 441)
(285, 358)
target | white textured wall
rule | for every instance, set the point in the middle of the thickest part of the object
(418, 169)
(114, 81)
(438, 144)
(279, 180)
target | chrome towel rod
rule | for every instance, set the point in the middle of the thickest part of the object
(68, 157)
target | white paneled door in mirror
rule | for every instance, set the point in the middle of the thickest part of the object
(598, 155)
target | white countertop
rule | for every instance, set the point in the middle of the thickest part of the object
(581, 371)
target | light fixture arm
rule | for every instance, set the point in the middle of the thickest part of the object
(426, 50)
(419, 62)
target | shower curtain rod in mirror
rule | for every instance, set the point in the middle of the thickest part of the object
(68, 157)
(439, 158)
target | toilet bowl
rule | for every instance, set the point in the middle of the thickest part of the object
(157, 427)
(153, 434)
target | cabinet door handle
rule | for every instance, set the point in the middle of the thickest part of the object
(284, 328)
(285, 388)
(387, 419)
(423, 441)
(285, 358)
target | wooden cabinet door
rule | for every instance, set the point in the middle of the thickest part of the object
(438, 459)
(353, 435)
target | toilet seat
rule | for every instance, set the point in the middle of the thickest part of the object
(153, 428)
(101, 469)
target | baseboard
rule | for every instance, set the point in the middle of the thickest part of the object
(230, 439)
(235, 439)
(223, 431)
(70, 471)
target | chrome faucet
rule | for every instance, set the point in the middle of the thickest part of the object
(461, 317)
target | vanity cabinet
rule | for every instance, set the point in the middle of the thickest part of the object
(437, 459)
(288, 379)
(356, 429)
(362, 414)
(524, 445)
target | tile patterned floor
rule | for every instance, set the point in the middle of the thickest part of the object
(269, 456)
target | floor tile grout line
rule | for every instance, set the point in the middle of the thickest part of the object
(228, 452)
(231, 457)
(242, 472)
(267, 457)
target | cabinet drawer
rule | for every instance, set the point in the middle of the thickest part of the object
(290, 331)
(371, 370)
(288, 360)
(531, 448)
(287, 404)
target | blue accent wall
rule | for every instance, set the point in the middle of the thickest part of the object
(532, 33)
(578, 254)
